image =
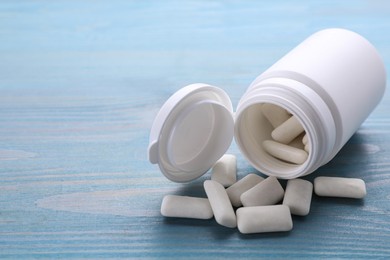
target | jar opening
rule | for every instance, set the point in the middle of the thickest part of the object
(256, 128)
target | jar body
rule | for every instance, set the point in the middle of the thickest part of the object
(333, 79)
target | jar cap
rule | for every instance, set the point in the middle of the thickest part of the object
(192, 130)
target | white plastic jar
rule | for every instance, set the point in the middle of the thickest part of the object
(331, 82)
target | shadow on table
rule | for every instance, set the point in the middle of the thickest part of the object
(272, 235)
(209, 226)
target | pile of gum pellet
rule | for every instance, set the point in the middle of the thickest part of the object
(288, 144)
(255, 198)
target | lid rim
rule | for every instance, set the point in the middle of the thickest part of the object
(212, 111)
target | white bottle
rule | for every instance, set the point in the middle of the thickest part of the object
(330, 82)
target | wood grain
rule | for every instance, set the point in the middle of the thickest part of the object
(80, 84)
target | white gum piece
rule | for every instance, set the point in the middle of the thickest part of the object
(340, 187)
(307, 148)
(267, 192)
(287, 131)
(186, 207)
(285, 152)
(262, 219)
(305, 139)
(220, 204)
(224, 170)
(234, 192)
(275, 114)
(298, 196)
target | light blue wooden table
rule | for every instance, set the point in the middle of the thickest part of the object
(80, 84)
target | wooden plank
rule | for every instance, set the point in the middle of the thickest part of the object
(80, 84)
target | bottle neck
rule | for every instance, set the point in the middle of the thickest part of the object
(251, 128)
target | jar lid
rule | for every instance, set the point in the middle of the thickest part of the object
(192, 130)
